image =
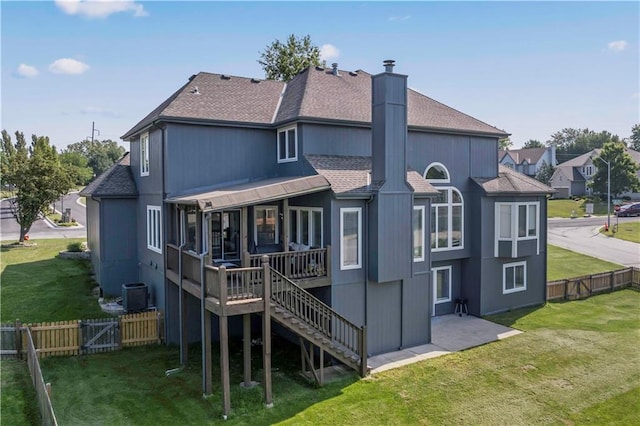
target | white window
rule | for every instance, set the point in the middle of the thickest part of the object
(517, 222)
(144, 154)
(418, 233)
(350, 238)
(436, 173)
(154, 229)
(447, 220)
(441, 284)
(287, 144)
(305, 226)
(514, 277)
(266, 229)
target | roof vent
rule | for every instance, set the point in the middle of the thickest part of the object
(225, 77)
(255, 80)
(319, 68)
(192, 77)
(388, 65)
(353, 73)
(334, 68)
(195, 91)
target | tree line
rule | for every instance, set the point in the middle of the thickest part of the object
(38, 175)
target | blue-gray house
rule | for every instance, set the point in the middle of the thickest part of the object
(376, 206)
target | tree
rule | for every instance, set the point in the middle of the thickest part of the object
(573, 142)
(533, 143)
(100, 155)
(37, 176)
(282, 61)
(78, 166)
(545, 172)
(623, 170)
(635, 137)
(504, 143)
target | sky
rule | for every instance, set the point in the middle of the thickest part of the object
(530, 68)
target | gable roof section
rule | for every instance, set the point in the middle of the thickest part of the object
(530, 155)
(220, 98)
(116, 182)
(510, 182)
(349, 175)
(314, 94)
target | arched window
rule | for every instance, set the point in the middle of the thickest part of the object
(447, 220)
(437, 173)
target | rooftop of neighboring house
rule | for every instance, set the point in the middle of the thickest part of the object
(315, 94)
(530, 155)
(116, 182)
(510, 182)
(585, 158)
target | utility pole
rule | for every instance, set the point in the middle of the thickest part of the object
(94, 130)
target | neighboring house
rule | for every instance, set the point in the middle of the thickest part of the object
(571, 178)
(379, 201)
(528, 160)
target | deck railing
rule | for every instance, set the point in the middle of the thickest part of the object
(317, 315)
(296, 265)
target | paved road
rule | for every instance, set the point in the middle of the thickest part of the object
(41, 229)
(581, 235)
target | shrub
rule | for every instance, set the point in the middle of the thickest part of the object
(77, 247)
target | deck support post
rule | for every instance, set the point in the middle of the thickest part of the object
(246, 348)
(266, 332)
(321, 366)
(224, 365)
(207, 367)
(184, 342)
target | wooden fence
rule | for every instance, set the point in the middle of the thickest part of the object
(43, 390)
(81, 337)
(587, 285)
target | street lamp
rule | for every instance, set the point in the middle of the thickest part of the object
(608, 190)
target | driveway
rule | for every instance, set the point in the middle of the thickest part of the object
(582, 235)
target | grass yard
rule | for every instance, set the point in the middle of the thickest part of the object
(563, 263)
(577, 363)
(565, 208)
(37, 286)
(18, 404)
(628, 231)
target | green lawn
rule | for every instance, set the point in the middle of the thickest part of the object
(18, 404)
(577, 363)
(37, 286)
(571, 208)
(629, 231)
(563, 263)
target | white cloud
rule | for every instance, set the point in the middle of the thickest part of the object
(618, 45)
(68, 66)
(25, 70)
(100, 8)
(99, 111)
(329, 52)
(399, 18)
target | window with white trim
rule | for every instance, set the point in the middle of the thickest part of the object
(437, 173)
(287, 144)
(418, 233)
(441, 284)
(447, 220)
(514, 277)
(266, 229)
(350, 238)
(154, 229)
(305, 226)
(144, 154)
(517, 221)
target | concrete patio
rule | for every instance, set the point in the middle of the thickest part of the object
(449, 333)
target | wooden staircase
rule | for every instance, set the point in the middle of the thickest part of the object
(305, 315)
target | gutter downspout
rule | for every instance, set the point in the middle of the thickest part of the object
(203, 293)
(366, 260)
(183, 243)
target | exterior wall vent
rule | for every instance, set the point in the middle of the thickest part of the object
(135, 297)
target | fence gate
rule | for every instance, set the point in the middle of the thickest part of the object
(99, 335)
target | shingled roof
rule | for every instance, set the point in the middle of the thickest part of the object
(510, 182)
(315, 93)
(117, 182)
(531, 155)
(350, 175)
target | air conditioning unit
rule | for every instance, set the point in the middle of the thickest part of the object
(135, 297)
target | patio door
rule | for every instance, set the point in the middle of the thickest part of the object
(441, 287)
(225, 235)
